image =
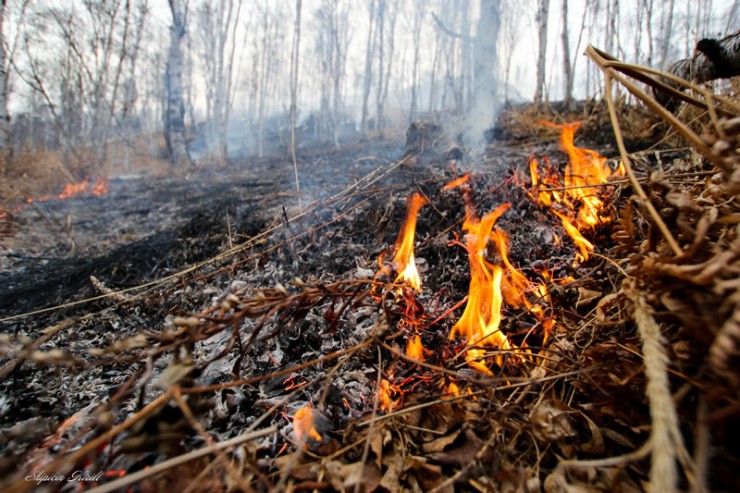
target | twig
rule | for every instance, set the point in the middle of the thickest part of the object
(631, 174)
(182, 459)
(665, 435)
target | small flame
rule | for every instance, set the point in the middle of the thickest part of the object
(457, 182)
(584, 246)
(452, 389)
(403, 261)
(386, 402)
(304, 425)
(415, 349)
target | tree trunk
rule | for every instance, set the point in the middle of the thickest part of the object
(568, 97)
(482, 111)
(294, 65)
(174, 122)
(4, 116)
(666, 32)
(368, 77)
(543, 8)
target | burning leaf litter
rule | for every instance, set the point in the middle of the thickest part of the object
(451, 375)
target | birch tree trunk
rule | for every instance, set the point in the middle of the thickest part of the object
(543, 8)
(666, 32)
(174, 121)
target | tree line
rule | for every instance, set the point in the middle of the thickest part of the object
(79, 75)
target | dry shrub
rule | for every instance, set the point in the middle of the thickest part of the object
(32, 174)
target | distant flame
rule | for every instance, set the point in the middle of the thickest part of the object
(403, 261)
(304, 425)
(98, 188)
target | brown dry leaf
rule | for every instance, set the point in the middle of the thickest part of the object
(346, 477)
(465, 451)
(298, 470)
(595, 445)
(378, 439)
(551, 421)
(587, 296)
(586, 479)
(391, 478)
(440, 443)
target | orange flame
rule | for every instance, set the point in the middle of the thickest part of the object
(481, 318)
(415, 349)
(585, 168)
(584, 246)
(100, 187)
(303, 425)
(577, 191)
(457, 182)
(385, 401)
(403, 261)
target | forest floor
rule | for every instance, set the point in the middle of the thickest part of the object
(215, 333)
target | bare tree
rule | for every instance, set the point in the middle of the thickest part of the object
(386, 26)
(4, 116)
(510, 34)
(218, 24)
(294, 65)
(568, 74)
(331, 43)
(543, 7)
(367, 79)
(77, 69)
(666, 31)
(174, 122)
(419, 13)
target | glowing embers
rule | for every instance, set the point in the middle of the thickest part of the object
(403, 260)
(580, 191)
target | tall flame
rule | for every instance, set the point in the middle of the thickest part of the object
(403, 261)
(481, 318)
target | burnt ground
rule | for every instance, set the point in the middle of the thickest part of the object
(221, 285)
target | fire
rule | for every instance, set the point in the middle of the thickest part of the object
(98, 188)
(304, 425)
(415, 349)
(481, 318)
(578, 190)
(584, 246)
(403, 261)
(386, 402)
